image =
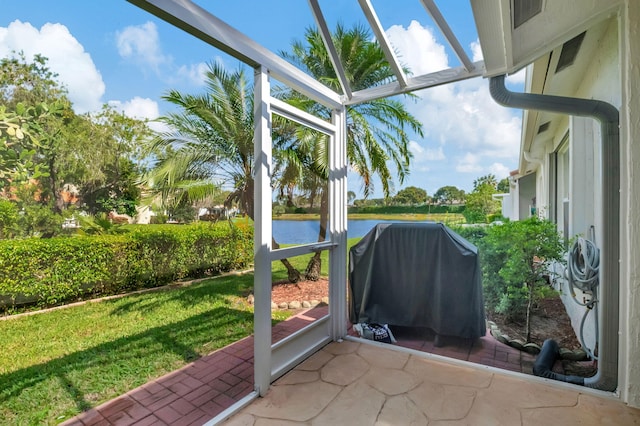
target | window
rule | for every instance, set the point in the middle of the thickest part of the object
(562, 176)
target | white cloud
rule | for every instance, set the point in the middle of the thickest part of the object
(418, 48)
(140, 108)
(141, 43)
(476, 51)
(474, 134)
(421, 154)
(464, 117)
(468, 164)
(194, 73)
(499, 170)
(518, 77)
(66, 57)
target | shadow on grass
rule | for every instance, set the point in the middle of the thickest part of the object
(187, 296)
(127, 362)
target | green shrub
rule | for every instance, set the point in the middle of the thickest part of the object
(473, 234)
(58, 270)
(513, 257)
(159, 219)
(8, 219)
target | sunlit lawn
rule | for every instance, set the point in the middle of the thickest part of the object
(56, 364)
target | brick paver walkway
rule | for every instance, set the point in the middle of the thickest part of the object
(195, 393)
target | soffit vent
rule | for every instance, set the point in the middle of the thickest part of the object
(543, 127)
(569, 52)
(523, 10)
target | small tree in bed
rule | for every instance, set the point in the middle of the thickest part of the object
(514, 271)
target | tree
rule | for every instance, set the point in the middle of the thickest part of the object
(109, 180)
(480, 204)
(514, 259)
(29, 99)
(37, 215)
(351, 197)
(8, 219)
(376, 130)
(411, 195)
(503, 186)
(20, 131)
(48, 149)
(489, 179)
(29, 83)
(210, 142)
(448, 195)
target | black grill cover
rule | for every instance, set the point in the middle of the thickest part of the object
(418, 275)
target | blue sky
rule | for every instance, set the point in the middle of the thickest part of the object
(113, 52)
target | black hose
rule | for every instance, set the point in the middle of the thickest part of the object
(543, 366)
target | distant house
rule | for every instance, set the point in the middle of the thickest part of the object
(143, 215)
(216, 213)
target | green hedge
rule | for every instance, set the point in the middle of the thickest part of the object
(423, 209)
(57, 270)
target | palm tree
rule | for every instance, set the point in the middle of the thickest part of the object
(210, 140)
(210, 144)
(376, 130)
(489, 179)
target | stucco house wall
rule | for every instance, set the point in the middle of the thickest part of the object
(611, 75)
(630, 203)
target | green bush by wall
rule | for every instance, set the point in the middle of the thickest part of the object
(57, 270)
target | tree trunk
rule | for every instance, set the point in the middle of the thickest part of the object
(527, 326)
(314, 266)
(312, 273)
(56, 193)
(293, 275)
(290, 196)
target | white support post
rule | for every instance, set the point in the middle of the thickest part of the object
(262, 232)
(338, 226)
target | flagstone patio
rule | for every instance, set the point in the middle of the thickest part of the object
(353, 383)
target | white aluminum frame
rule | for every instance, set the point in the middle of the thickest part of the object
(270, 361)
(273, 360)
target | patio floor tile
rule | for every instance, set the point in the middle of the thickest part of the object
(439, 392)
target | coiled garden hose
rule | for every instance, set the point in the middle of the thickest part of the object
(584, 265)
(583, 272)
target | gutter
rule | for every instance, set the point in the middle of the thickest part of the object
(608, 291)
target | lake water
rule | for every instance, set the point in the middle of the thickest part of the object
(306, 231)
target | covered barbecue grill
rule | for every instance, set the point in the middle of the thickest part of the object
(417, 275)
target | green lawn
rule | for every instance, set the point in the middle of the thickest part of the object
(56, 364)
